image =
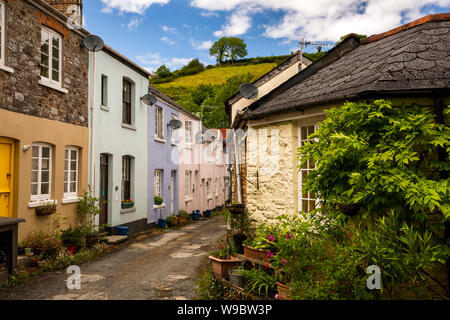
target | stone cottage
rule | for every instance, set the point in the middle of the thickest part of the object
(44, 131)
(407, 64)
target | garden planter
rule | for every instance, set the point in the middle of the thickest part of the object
(162, 223)
(71, 250)
(196, 216)
(284, 293)
(127, 205)
(46, 211)
(256, 254)
(172, 223)
(182, 220)
(236, 278)
(221, 267)
(236, 208)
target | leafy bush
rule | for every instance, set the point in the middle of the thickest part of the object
(193, 67)
(183, 214)
(158, 200)
(258, 281)
(73, 237)
(46, 243)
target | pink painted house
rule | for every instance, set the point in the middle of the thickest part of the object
(203, 175)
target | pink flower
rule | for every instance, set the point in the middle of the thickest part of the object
(271, 238)
(269, 254)
(277, 296)
(284, 261)
(288, 236)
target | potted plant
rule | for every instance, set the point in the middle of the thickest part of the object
(127, 204)
(72, 239)
(183, 216)
(222, 262)
(172, 221)
(158, 201)
(46, 210)
(196, 215)
(237, 277)
(262, 246)
(259, 282)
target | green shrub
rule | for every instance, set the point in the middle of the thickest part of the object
(158, 200)
(48, 244)
(73, 237)
(258, 281)
(183, 214)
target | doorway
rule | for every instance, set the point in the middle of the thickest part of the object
(6, 177)
(104, 187)
(172, 191)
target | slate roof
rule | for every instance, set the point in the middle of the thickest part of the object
(412, 58)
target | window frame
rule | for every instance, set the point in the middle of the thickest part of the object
(71, 194)
(158, 182)
(104, 91)
(50, 80)
(188, 132)
(208, 188)
(126, 184)
(187, 184)
(39, 196)
(129, 104)
(159, 123)
(3, 33)
(308, 199)
(216, 186)
(173, 139)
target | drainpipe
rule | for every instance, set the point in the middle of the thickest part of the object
(238, 171)
(92, 154)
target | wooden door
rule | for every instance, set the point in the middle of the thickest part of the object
(104, 170)
(6, 176)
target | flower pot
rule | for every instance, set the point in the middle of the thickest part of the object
(71, 250)
(221, 267)
(236, 278)
(46, 211)
(182, 220)
(127, 205)
(284, 293)
(196, 216)
(162, 224)
(256, 254)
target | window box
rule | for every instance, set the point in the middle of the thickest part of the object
(46, 210)
(127, 204)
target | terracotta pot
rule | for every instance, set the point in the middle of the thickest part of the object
(221, 267)
(256, 254)
(71, 250)
(182, 220)
(284, 293)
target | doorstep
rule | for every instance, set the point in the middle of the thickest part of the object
(115, 239)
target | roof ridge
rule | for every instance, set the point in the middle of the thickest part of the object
(409, 25)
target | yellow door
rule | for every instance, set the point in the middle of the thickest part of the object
(6, 176)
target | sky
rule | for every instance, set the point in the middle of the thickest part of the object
(173, 32)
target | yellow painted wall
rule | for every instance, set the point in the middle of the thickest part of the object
(25, 130)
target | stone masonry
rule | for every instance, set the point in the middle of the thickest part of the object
(21, 91)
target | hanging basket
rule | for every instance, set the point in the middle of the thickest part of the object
(46, 211)
(236, 208)
(349, 209)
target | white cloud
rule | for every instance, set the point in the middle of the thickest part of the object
(135, 6)
(168, 29)
(209, 14)
(325, 20)
(152, 61)
(167, 40)
(134, 23)
(201, 45)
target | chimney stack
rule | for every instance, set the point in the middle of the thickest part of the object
(70, 8)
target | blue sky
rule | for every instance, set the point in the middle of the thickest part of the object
(172, 32)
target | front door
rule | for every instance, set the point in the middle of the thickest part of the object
(172, 191)
(6, 176)
(103, 189)
(195, 197)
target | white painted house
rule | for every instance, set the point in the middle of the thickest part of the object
(120, 140)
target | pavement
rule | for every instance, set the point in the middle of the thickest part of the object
(164, 266)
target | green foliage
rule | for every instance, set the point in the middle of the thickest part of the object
(228, 47)
(193, 67)
(47, 243)
(361, 37)
(380, 158)
(221, 254)
(239, 224)
(163, 72)
(73, 237)
(258, 281)
(88, 209)
(208, 287)
(183, 214)
(158, 200)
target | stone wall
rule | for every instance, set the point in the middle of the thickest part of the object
(21, 91)
(271, 166)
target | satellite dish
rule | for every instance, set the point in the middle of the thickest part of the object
(93, 43)
(175, 124)
(149, 99)
(249, 91)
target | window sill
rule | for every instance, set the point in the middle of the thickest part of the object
(160, 140)
(175, 144)
(42, 203)
(128, 210)
(209, 198)
(53, 86)
(188, 200)
(7, 69)
(128, 126)
(70, 200)
(163, 205)
(104, 108)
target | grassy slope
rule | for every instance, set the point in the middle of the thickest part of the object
(217, 76)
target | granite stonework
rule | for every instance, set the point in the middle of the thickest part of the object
(20, 90)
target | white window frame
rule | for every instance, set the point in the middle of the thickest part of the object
(300, 174)
(216, 186)
(159, 123)
(50, 80)
(42, 197)
(158, 181)
(208, 188)
(188, 132)
(187, 184)
(3, 32)
(73, 194)
(173, 131)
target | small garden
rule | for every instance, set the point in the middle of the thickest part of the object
(382, 179)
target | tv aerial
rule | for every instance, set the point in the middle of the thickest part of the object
(149, 99)
(304, 44)
(248, 91)
(93, 43)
